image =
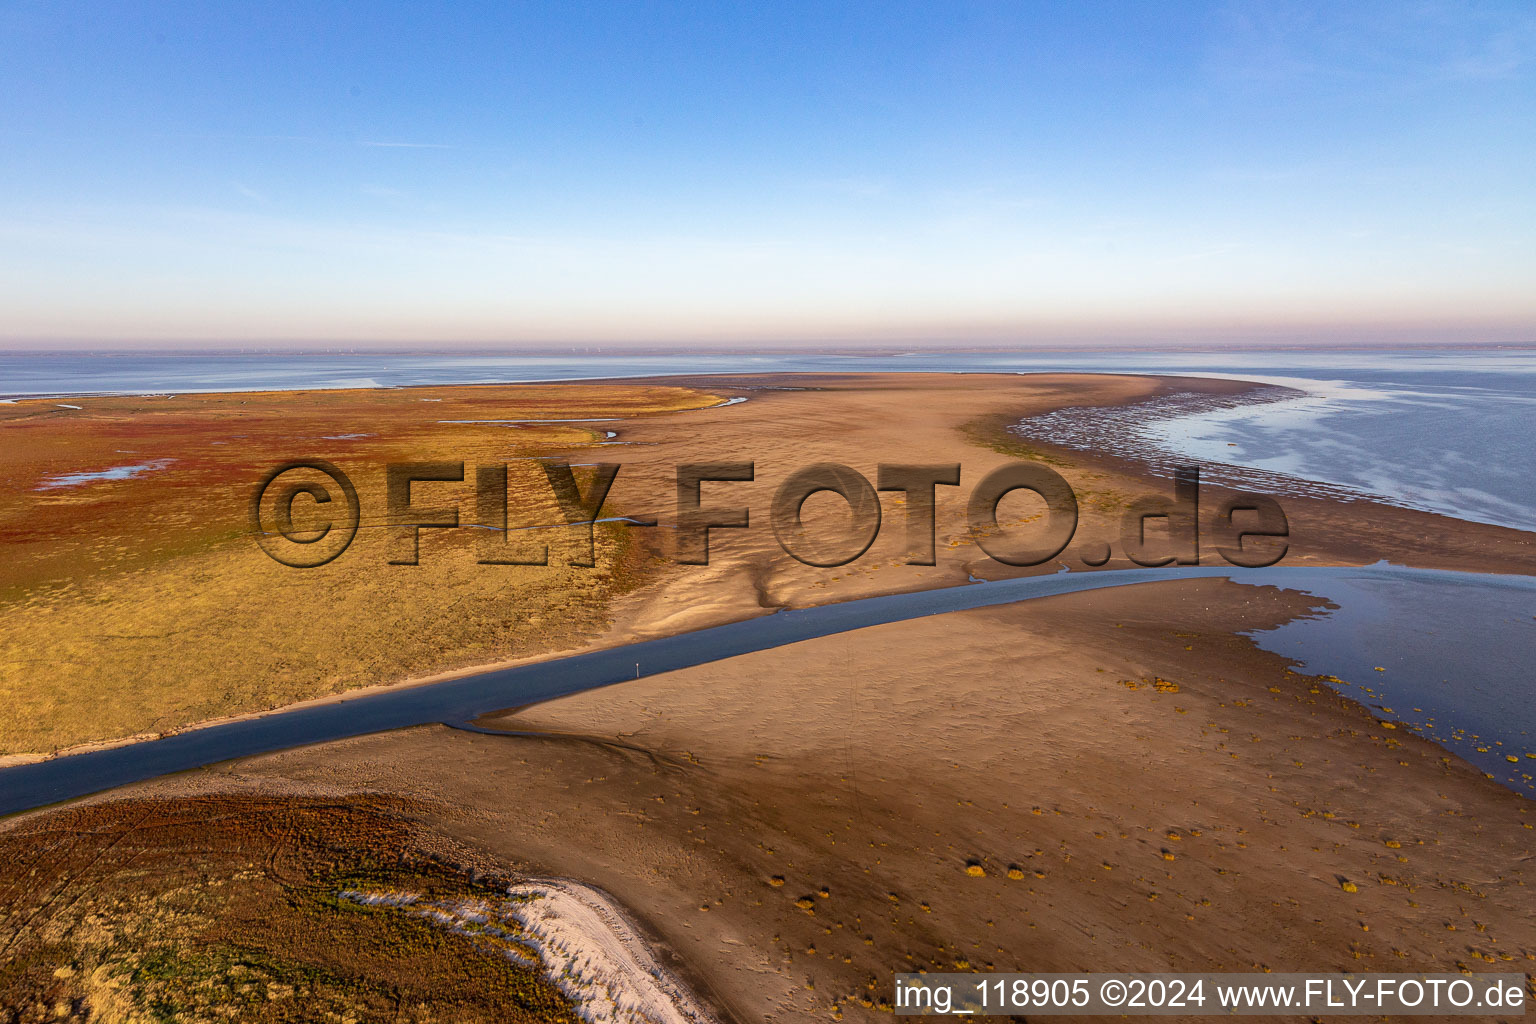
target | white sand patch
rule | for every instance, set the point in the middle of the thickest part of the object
(597, 957)
(581, 938)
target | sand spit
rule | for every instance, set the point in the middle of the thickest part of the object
(585, 943)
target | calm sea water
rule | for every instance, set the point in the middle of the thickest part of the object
(1444, 430)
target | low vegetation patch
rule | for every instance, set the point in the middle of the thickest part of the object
(224, 909)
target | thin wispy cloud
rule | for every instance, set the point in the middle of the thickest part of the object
(407, 145)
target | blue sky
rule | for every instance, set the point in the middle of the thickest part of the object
(767, 173)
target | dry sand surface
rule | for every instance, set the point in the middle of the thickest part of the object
(1140, 788)
(862, 420)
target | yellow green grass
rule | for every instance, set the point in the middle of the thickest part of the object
(141, 605)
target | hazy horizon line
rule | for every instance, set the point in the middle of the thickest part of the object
(638, 349)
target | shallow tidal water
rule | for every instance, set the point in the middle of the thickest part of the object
(462, 699)
(1447, 659)
(1446, 430)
